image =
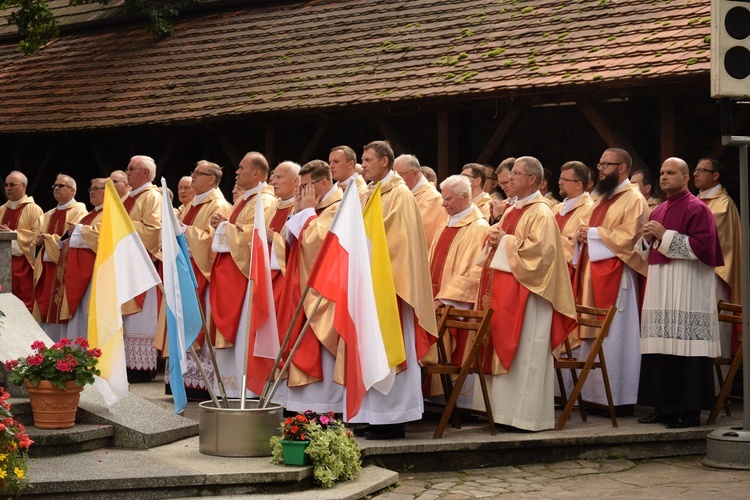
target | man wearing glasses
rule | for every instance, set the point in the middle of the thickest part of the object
(71, 289)
(608, 273)
(477, 176)
(52, 226)
(428, 198)
(707, 177)
(576, 206)
(490, 185)
(143, 204)
(21, 214)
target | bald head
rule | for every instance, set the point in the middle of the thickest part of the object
(674, 176)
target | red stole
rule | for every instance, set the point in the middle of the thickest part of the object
(43, 288)
(605, 274)
(74, 269)
(230, 296)
(442, 248)
(277, 277)
(509, 301)
(307, 358)
(23, 273)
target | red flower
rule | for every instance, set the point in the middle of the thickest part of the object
(302, 437)
(63, 366)
(35, 360)
(65, 342)
(95, 352)
(38, 345)
(10, 364)
(72, 361)
(82, 342)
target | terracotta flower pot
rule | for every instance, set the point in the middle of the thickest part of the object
(52, 407)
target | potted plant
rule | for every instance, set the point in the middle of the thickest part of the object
(325, 441)
(54, 378)
(13, 455)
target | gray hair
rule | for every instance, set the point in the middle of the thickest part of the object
(533, 167)
(459, 184)
(148, 163)
(296, 166)
(24, 179)
(71, 180)
(411, 161)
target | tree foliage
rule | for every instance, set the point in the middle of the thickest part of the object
(37, 24)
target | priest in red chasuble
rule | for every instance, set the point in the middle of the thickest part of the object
(52, 226)
(526, 282)
(312, 379)
(21, 215)
(387, 413)
(75, 266)
(610, 272)
(232, 241)
(454, 271)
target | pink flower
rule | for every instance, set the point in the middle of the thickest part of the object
(38, 345)
(324, 420)
(35, 360)
(65, 342)
(82, 342)
(95, 352)
(10, 364)
(63, 366)
(72, 361)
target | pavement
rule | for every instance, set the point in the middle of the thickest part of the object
(586, 459)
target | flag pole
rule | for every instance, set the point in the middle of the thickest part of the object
(195, 356)
(205, 377)
(243, 398)
(264, 402)
(271, 376)
(212, 352)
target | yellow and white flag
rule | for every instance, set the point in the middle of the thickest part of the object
(123, 270)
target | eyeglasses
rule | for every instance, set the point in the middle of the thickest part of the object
(513, 173)
(504, 183)
(696, 171)
(492, 177)
(118, 182)
(606, 164)
(563, 179)
(12, 184)
(470, 176)
(196, 173)
(93, 189)
(310, 183)
(61, 186)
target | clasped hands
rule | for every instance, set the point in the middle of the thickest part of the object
(653, 229)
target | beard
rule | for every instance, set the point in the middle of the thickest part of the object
(608, 184)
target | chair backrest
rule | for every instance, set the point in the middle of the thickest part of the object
(733, 314)
(468, 320)
(594, 317)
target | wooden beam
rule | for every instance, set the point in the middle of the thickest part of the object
(612, 137)
(667, 128)
(500, 133)
(739, 121)
(229, 149)
(443, 145)
(269, 148)
(315, 141)
(389, 135)
(39, 174)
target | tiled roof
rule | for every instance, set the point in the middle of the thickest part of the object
(68, 15)
(304, 56)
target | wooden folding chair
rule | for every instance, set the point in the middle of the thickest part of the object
(602, 320)
(470, 321)
(728, 313)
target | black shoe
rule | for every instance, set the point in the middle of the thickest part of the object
(360, 431)
(389, 431)
(656, 418)
(683, 421)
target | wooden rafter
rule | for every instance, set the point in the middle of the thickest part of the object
(612, 137)
(500, 134)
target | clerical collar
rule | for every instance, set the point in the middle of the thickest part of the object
(568, 204)
(422, 180)
(66, 206)
(460, 215)
(384, 179)
(14, 204)
(478, 196)
(709, 192)
(253, 191)
(288, 200)
(619, 188)
(327, 195)
(519, 204)
(98, 207)
(138, 190)
(200, 197)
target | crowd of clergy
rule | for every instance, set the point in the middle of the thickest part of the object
(491, 237)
